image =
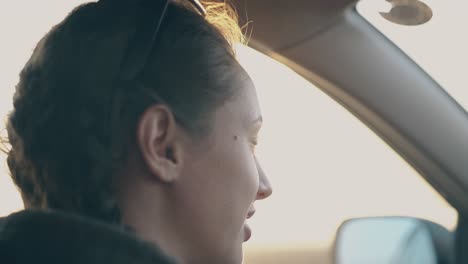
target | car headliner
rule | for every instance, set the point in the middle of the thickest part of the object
(331, 45)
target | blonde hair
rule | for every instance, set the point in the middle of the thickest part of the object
(224, 17)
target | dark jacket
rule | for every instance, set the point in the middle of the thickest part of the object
(50, 237)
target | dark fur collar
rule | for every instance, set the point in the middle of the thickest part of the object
(51, 237)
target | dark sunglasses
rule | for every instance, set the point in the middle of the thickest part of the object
(138, 52)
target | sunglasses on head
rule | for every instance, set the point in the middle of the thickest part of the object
(138, 52)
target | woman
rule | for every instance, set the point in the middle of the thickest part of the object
(137, 114)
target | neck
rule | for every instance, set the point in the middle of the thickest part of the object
(146, 209)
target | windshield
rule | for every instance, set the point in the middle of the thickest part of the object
(438, 46)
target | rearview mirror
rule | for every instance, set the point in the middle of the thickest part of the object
(389, 240)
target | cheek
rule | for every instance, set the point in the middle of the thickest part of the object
(241, 175)
(218, 190)
(235, 190)
(235, 180)
(229, 172)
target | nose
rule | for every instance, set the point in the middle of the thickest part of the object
(264, 188)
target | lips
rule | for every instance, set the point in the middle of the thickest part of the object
(247, 232)
(250, 214)
(247, 229)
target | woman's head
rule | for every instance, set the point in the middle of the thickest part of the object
(169, 153)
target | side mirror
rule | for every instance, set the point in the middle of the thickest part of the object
(389, 240)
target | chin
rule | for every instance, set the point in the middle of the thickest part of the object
(230, 258)
(230, 253)
(235, 256)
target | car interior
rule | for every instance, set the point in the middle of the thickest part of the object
(361, 81)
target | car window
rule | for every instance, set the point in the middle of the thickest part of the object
(325, 167)
(438, 46)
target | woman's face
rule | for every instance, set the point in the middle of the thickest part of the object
(205, 188)
(222, 179)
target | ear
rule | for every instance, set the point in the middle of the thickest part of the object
(160, 143)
